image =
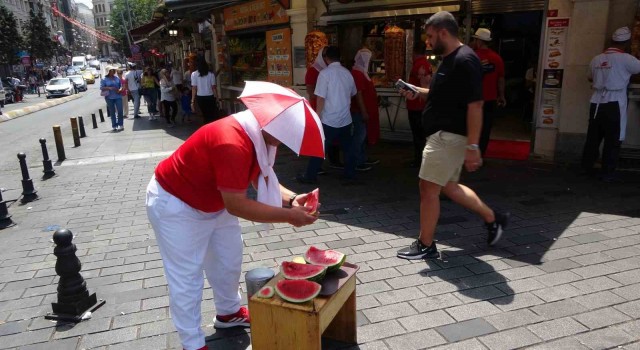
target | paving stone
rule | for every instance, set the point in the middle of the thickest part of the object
(481, 280)
(513, 319)
(627, 277)
(558, 328)
(345, 243)
(562, 344)
(628, 292)
(516, 301)
(371, 288)
(95, 326)
(415, 340)
(156, 328)
(631, 308)
(601, 318)
(559, 265)
(563, 291)
(377, 275)
(604, 338)
(473, 310)
(599, 299)
(63, 344)
(594, 271)
(381, 330)
(399, 295)
(383, 312)
(591, 259)
(596, 284)
(435, 302)
(510, 339)
(25, 338)
(425, 320)
(471, 344)
(408, 281)
(559, 309)
(476, 294)
(632, 328)
(367, 302)
(13, 327)
(152, 343)
(466, 329)
(556, 278)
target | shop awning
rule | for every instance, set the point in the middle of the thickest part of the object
(356, 15)
(143, 32)
(180, 8)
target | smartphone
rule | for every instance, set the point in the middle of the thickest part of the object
(402, 85)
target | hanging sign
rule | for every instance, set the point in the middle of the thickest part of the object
(552, 71)
(255, 13)
(279, 57)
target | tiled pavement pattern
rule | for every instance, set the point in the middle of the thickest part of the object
(566, 275)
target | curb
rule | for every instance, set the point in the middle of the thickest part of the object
(6, 116)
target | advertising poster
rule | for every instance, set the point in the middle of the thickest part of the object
(279, 57)
(552, 72)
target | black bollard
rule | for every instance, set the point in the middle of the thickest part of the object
(74, 132)
(28, 192)
(73, 297)
(81, 125)
(93, 121)
(46, 162)
(5, 218)
(57, 136)
(101, 115)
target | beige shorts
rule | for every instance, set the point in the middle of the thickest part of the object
(443, 157)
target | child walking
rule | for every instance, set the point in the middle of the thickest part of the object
(185, 101)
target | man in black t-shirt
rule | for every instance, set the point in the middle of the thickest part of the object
(452, 119)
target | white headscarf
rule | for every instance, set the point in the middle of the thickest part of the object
(268, 185)
(319, 64)
(363, 56)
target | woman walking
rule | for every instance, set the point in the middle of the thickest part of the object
(203, 90)
(149, 82)
(124, 92)
(168, 98)
(110, 87)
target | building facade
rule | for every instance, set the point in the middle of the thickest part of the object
(102, 13)
(88, 41)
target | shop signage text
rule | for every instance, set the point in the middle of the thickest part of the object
(552, 72)
(254, 14)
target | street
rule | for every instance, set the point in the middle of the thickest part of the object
(565, 275)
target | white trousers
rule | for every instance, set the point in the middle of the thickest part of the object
(191, 241)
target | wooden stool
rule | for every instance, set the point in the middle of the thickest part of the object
(280, 325)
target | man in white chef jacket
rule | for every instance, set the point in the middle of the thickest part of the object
(610, 72)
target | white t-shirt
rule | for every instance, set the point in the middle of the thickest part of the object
(166, 91)
(336, 85)
(130, 77)
(203, 84)
(176, 77)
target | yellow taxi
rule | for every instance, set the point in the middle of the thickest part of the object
(88, 77)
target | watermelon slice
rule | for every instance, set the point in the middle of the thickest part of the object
(295, 271)
(312, 201)
(297, 291)
(331, 259)
(265, 292)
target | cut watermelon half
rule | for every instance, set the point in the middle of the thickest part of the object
(265, 292)
(295, 271)
(331, 259)
(297, 291)
(313, 198)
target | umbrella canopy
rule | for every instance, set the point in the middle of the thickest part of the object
(286, 116)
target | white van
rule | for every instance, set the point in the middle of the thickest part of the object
(79, 61)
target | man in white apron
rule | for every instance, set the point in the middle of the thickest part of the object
(610, 72)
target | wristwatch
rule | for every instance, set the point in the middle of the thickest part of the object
(473, 147)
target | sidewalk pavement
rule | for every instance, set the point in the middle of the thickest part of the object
(565, 275)
(32, 104)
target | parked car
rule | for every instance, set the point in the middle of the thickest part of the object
(80, 83)
(88, 77)
(59, 87)
(9, 91)
(95, 72)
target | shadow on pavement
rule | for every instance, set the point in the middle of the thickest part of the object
(229, 339)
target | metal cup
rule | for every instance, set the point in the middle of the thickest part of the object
(256, 279)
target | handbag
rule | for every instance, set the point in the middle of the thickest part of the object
(104, 93)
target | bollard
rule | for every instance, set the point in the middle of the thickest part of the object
(81, 122)
(57, 137)
(74, 299)
(101, 115)
(46, 162)
(5, 218)
(93, 121)
(28, 192)
(74, 132)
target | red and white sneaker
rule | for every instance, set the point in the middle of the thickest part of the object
(239, 319)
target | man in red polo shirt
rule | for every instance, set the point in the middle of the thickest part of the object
(492, 82)
(194, 201)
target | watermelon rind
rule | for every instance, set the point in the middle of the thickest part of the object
(321, 257)
(296, 271)
(266, 292)
(297, 291)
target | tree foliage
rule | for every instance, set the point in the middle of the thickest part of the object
(38, 36)
(10, 39)
(138, 12)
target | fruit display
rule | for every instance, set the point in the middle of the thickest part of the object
(313, 41)
(295, 271)
(297, 291)
(312, 201)
(394, 52)
(266, 292)
(245, 45)
(299, 260)
(331, 259)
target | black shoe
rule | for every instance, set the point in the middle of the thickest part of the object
(417, 250)
(364, 167)
(496, 228)
(304, 180)
(136, 117)
(336, 166)
(371, 161)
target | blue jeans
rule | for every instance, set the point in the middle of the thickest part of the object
(151, 97)
(114, 105)
(331, 134)
(358, 146)
(136, 102)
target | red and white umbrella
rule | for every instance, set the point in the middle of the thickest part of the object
(286, 116)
